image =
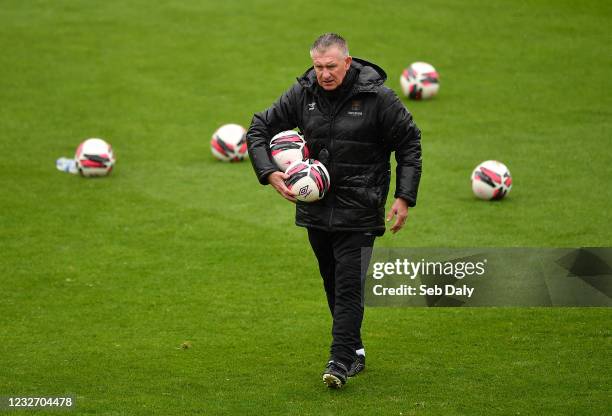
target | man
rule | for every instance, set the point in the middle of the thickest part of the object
(351, 123)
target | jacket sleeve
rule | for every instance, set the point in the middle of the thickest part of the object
(279, 117)
(404, 138)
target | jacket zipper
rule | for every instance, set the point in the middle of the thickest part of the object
(333, 115)
(332, 167)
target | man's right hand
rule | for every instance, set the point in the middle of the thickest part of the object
(277, 180)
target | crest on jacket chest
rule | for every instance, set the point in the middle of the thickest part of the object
(355, 109)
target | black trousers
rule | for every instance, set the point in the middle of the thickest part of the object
(339, 257)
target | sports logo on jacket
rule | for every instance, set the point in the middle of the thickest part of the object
(355, 110)
(311, 106)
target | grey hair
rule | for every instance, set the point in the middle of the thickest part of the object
(326, 41)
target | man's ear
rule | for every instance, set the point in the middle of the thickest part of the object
(347, 61)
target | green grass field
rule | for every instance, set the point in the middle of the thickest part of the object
(102, 280)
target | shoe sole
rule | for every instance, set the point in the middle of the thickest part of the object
(332, 381)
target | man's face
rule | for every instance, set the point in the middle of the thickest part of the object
(330, 67)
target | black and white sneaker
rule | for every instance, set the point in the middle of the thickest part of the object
(335, 375)
(357, 366)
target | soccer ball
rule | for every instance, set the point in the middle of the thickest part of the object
(491, 180)
(94, 157)
(308, 180)
(420, 81)
(287, 147)
(228, 143)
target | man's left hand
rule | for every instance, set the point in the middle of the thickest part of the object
(399, 209)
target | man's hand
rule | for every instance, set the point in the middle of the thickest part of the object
(400, 210)
(277, 180)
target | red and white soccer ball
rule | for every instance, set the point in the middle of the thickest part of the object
(420, 81)
(94, 157)
(228, 143)
(491, 180)
(287, 147)
(308, 180)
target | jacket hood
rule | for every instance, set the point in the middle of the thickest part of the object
(370, 76)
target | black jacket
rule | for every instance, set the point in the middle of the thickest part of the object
(353, 136)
